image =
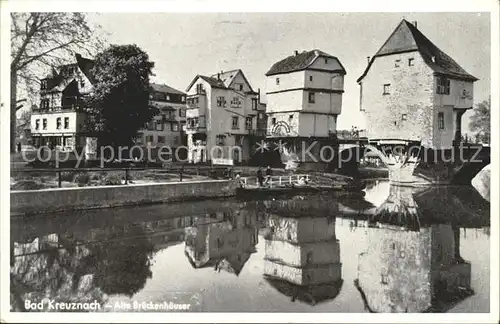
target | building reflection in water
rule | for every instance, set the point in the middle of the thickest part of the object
(223, 240)
(411, 264)
(302, 258)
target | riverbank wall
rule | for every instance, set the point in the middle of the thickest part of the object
(69, 199)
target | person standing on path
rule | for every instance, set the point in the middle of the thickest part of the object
(269, 174)
(260, 177)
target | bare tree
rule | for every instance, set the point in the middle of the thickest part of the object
(42, 41)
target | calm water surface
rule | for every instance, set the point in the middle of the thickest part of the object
(391, 249)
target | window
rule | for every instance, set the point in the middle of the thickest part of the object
(161, 139)
(443, 85)
(199, 88)
(441, 120)
(159, 125)
(58, 123)
(168, 97)
(396, 63)
(174, 127)
(290, 118)
(311, 97)
(221, 102)
(37, 124)
(183, 98)
(235, 122)
(220, 139)
(241, 87)
(310, 78)
(254, 104)
(66, 122)
(273, 121)
(43, 85)
(44, 104)
(44, 123)
(248, 123)
(149, 138)
(82, 83)
(387, 88)
(411, 61)
(182, 113)
(404, 117)
(326, 61)
(277, 81)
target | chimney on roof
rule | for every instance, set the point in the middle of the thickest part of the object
(296, 52)
(415, 23)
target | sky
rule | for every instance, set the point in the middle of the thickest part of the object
(183, 45)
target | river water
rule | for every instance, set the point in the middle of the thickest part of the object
(389, 249)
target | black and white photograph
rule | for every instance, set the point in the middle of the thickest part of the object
(173, 163)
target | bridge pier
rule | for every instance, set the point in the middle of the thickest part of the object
(409, 163)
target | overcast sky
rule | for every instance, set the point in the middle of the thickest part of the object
(183, 45)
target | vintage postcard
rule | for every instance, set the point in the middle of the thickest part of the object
(204, 161)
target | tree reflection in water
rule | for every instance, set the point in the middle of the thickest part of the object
(69, 270)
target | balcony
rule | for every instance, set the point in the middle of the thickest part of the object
(59, 109)
(168, 117)
(196, 101)
(257, 132)
(195, 125)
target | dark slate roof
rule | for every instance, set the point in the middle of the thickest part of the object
(60, 80)
(165, 89)
(227, 77)
(86, 66)
(406, 38)
(298, 62)
(309, 294)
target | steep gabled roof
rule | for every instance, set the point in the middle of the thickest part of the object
(61, 80)
(165, 89)
(298, 62)
(85, 66)
(407, 38)
(214, 82)
(229, 76)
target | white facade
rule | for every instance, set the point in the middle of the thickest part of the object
(59, 121)
(221, 116)
(305, 102)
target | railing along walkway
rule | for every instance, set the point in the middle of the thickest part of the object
(276, 181)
